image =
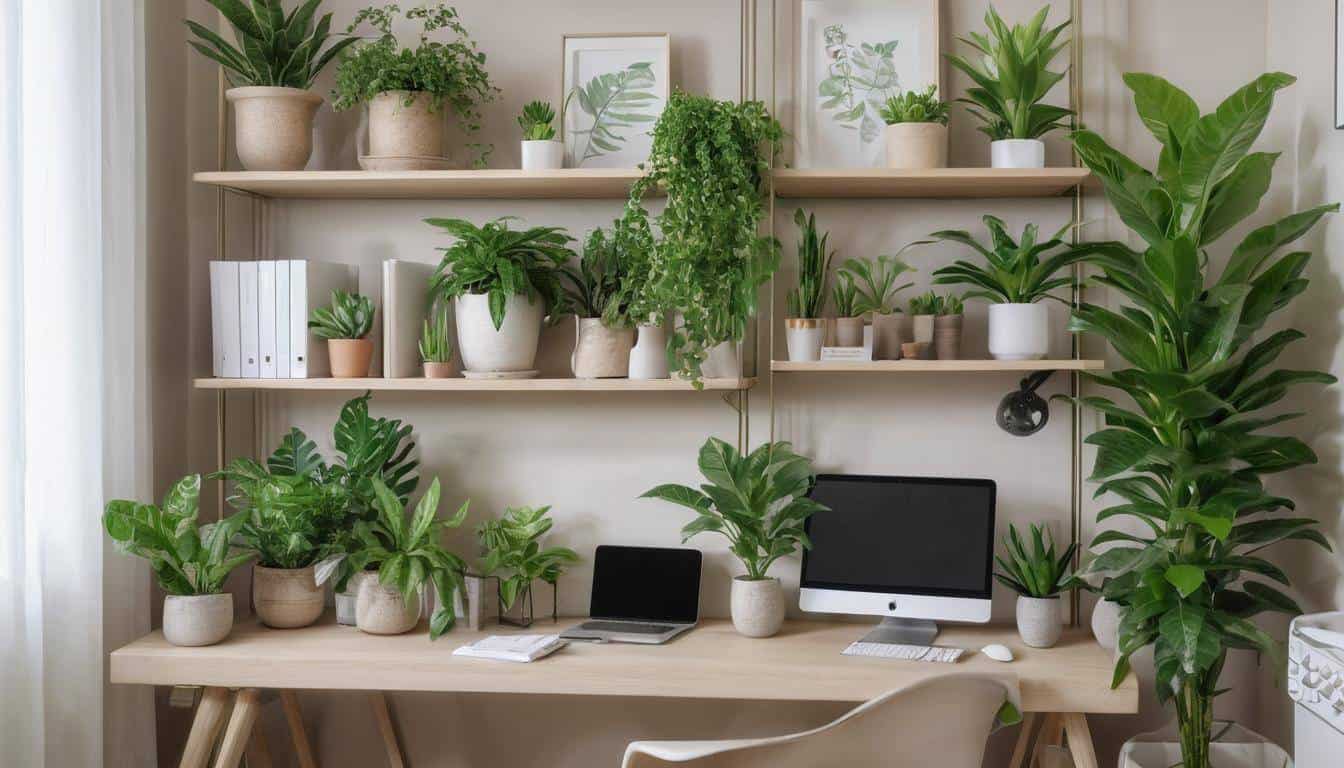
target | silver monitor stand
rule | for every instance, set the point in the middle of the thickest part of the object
(894, 631)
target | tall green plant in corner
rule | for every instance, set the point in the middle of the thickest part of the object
(1186, 451)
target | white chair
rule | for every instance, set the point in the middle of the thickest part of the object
(943, 721)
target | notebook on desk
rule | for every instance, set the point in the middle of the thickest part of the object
(516, 648)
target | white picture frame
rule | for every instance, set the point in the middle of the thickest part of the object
(633, 72)
(853, 55)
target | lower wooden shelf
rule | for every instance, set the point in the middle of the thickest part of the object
(476, 385)
(934, 366)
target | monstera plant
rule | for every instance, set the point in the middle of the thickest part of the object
(1186, 449)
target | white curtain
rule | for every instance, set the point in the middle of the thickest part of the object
(73, 393)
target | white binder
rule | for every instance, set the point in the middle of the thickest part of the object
(224, 326)
(281, 319)
(266, 318)
(248, 318)
(310, 286)
(405, 306)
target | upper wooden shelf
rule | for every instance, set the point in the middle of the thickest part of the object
(935, 366)
(932, 183)
(476, 385)
(568, 183)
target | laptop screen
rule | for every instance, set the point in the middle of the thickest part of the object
(646, 584)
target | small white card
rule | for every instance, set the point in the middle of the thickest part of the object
(847, 353)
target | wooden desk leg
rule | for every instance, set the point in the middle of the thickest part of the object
(258, 752)
(1023, 742)
(236, 735)
(294, 716)
(1080, 740)
(205, 727)
(389, 734)
(1052, 735)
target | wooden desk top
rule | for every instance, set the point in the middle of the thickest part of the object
(802, 663)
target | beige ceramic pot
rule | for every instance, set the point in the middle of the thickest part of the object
(849, 331)
(402, 125)
(887, 335)
(382, 610)
(947, 337)
(273, 127)
(757, 606)
(438, 370)
(804, 336)
(350, 358)
(915, 146)
(601, 352)
(195, 620)
(286, 598)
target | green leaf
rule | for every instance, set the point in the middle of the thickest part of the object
(1187, 579)
(1118, 450)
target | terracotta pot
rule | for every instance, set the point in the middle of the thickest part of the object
(913, 146)
(947, 337)
(511, 348)
(1040, 620)
(914, 350)
(383, 610)
(888, 334)
(757, 606)
(350, 358)
(438, 370)
(601, 352)
(1017, 153)
(402, 129)
(648, 358)
(849, 331)
(803, 336)
(195, 620)
(286, 598)
(1019, 331)
(546, 155)
(273, 127)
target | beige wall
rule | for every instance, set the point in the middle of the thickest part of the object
(574, 451)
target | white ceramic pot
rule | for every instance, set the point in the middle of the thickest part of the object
(1106, 624)
(803, 336)
(286, 598)
(601, 352)
(1040, 620)
(921, 327)
(722, 362)
(849, 331)
(757, 606)
(195, 620)
(888, 335)
(1019, 331)
(1234, 747)
(648, 358)
(947, 337)
(402, 125)
(273, 126)
(345, 601)
(543, 155)
(1017, 153)
(511, 348)
(912, 146)
(382, 610)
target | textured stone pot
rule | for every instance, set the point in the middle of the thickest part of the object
(286, 598)
(648, 358)
(350, 358)
(1106, 624)
(803, 336)
(849, 331)
(757, 606)
(1019, 331)
(543, 155)
(383, 610)
(722, 362)
(273, 127)
(402, 129)
(437, 370)
(1017, 153)
(912, 146)
(601, 352)
(888, 335)
(1040, 620)
(194, 620)
(947, 337)
(511, 348)
(921, 327)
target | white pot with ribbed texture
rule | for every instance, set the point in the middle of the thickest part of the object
(286, 598)
(757, 606)
(511, 348)
(1040, 620)
(273, 126)
(196, 620)
(1019, 331)
(1017, 153)
(545, 155)
(648, 358)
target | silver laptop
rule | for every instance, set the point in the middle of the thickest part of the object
(641, 595)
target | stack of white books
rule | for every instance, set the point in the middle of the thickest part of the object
(517, 648)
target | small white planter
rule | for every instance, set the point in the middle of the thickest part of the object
(803, 336)
(648, 358)
(1017, 153)
(512, 348)
(543, 155)
(849, 331)
(286, 598)
(1040, 620)
(382, 610)
(921, 327)
(1106, 624)
(601, 352)
(402, 125)
(195, 620)
(273, 126)
(722, 362)
(1019, 331)
(913, 146)
(757, 606)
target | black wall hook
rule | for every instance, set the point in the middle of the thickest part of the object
(1023, 413)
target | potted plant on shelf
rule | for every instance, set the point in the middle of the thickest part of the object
(759, 503)
(877, 289)
(923, 312)
(513, 553)
(346, 325)
(541, 150)
(712, 158)
(635, 244)
(1011, 78)
(916, 132)
(1015, 277)
(436, 345)
(501, 283)
(604, 335)
(409, 89)
(270, 72)
(189, 562)
(848, 318)
(803, 328)
(1038, 577)
(947, 324)
(1185, 448)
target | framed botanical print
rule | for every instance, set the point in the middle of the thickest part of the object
(852, 56)
(615, 87)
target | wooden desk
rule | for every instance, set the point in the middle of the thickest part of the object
(802, 663)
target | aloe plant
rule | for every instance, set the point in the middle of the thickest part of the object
(536, 121)
(616, 103)
(436, 342)
(350, 316)
(814, 266)
(1034, 570)
(931, 303)
(915, 107)
(876, 280)
(273, 48)
(1015, 271)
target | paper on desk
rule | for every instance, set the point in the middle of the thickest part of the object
(517, 648)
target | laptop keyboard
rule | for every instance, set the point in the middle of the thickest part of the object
(627, 627)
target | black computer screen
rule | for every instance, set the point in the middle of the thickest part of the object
(902, 535)
(646, 584)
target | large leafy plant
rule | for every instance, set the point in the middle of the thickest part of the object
(1034, 569)
(1185, 449)
(758, 502)
(712, 157)
(814, 266)
(512, 544)
(1015, 271)
(1011, 77)
(186, 559)
(273, 48)
(290, 521)
(500, 262)
(596, 287)
(614, 104)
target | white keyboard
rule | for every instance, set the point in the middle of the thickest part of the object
(942, 655)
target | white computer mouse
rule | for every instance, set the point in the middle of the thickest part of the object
(997, 652)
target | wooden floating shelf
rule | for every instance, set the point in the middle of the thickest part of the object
(476, 385)
(568, 183)
(936, 366)
(932, 183)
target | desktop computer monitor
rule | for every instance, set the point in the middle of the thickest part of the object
(914, 550)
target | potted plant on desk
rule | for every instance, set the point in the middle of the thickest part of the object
(759, 503)
(513, 552)
(804, 331)
(346, 325)
(1038, 577)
